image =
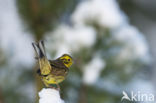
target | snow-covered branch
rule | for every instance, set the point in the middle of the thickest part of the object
(49, 95)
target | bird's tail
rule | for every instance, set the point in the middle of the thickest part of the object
(44, 64)
(39, 49)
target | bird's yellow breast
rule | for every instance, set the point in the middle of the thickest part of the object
(51, 79)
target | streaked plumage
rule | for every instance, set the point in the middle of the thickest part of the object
(51, 71)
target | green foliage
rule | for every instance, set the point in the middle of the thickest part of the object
(43, 15)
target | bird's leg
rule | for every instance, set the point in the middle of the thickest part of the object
(58, 87)
(52, 87)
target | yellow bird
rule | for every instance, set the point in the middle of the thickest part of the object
(51, 71)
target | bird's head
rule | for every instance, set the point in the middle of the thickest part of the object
(67, 60)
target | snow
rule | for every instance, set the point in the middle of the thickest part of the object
(105, 13)
(15, 41)
(92, 70)
(135, 43)
(49, 95)
(72, 39)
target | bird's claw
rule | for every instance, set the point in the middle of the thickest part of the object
(56, 88)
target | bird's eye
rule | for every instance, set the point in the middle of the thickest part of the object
(68, 59)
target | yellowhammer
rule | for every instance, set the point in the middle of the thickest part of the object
(51, 71)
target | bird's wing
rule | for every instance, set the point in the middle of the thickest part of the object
(57, 63)
(58, 68)
(45, 66)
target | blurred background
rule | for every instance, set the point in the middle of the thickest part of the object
(111, 41)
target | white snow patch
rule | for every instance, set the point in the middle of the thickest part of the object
(71, 39)
(49, 95)
(135, 43)
(13, 39)
(92, 70)
(106, 13)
